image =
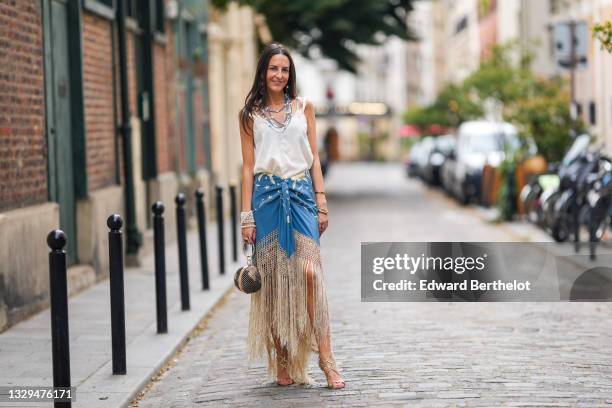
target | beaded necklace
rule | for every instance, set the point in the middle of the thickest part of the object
(272, 122)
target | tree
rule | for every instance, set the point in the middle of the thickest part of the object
(333, 27)
(538, 107)
(603, 32)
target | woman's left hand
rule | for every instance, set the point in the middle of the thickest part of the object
(323, 218)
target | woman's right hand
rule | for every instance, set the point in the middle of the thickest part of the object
(248, 235)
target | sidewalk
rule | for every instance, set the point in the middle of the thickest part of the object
(524, 231)
(25, 349)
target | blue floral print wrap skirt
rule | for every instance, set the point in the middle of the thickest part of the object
(287, 255)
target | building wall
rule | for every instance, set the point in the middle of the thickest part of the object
(169, 71)
(420, 70)
(232, 68)
(463, 39)
(508, 19)
(99, 107)
(440, 45)
(131, 72)
(163, 60)
(23, 148)
(488, 34)
(593, 84)
(199, 124)
(605, 70)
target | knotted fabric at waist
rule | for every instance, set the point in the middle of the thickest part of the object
(285, 205)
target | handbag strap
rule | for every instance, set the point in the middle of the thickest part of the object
(249, 258)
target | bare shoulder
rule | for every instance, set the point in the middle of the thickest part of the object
(309, 107)
(245, 122)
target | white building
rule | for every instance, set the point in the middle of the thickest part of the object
(463, 39)
(380, 79)
(421, 74)
(593, 84)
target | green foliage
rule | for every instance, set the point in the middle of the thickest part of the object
(538, 107)
(452, 107)
(603, 32)
(459, 105)
(506, 195)
(424, 117)
(332, 26)
(501, 78)
(546, 117)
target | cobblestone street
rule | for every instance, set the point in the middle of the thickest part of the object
(405, 354)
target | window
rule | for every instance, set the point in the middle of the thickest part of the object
(461, 25)
(107, 3)
(159, 16)
(130, 8)
(592, 113)
(104, 8)
(557, 6)
(134, 9)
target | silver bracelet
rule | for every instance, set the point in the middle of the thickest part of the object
(246, 217)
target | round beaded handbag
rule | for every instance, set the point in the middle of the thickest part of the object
(247, 278)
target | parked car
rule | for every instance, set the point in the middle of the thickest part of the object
(447, 172)
(427, 145)
(442, 147)
(480, 143)
(412, 162)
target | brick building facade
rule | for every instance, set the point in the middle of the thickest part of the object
(61, 145)
(23, 162)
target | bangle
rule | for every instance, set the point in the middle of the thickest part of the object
(320, 192)
(323, 210)
(246, 217)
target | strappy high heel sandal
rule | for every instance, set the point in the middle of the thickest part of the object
(284, 363)
(327, 365)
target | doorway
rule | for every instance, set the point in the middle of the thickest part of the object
(59, 119)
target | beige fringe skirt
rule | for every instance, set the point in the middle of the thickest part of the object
(288, 257)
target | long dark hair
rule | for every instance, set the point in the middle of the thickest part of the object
(256, 98)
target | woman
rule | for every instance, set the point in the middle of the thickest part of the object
(284, 214)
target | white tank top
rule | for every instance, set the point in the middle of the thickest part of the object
(283, 153)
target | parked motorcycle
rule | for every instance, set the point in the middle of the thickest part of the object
(571, 208)
(574, 185)
(597, 216)
(541, 193)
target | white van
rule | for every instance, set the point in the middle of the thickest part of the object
(480, 143)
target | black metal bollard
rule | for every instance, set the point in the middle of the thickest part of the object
(117, 299)
(60, 344)
(182, 248)
(202, 232)
(220, 230)
(234, 223)
(160, 267)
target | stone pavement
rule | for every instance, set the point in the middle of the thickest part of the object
(25, 349)
(405, 354)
